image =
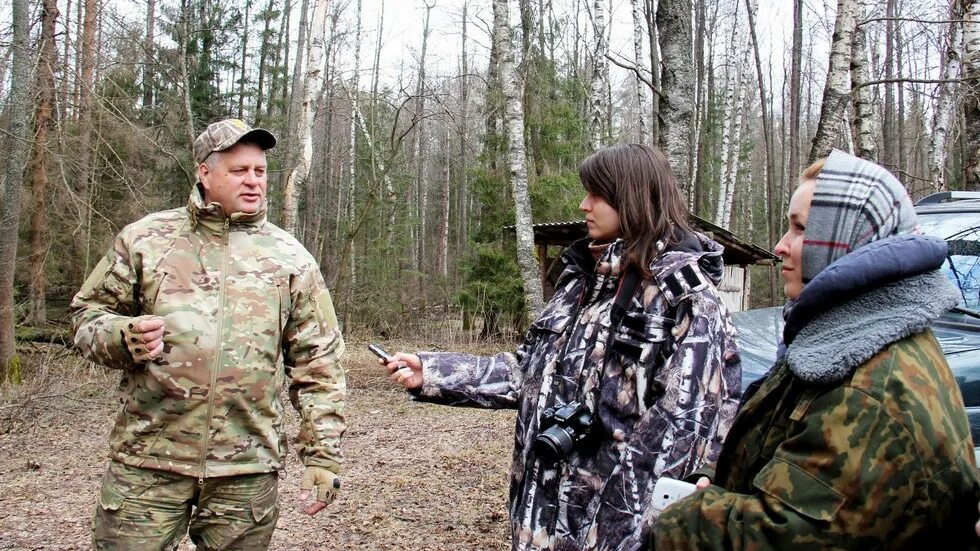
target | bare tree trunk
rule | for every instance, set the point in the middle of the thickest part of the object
(463, 214)
(85, 163)
(795, 94)
(185, 91)
(600, 77)
(149, 67)
(676, 107)
(971, 103)
(44, 122)
(62, 102)
(79, 48)
(19, 136)
(863, 108)
(772, 213)
(945, 99)
(443, 251)
(900, 157)
(351, 280)
(517, 159)
(836, 92)
(700, 103)
(282, 50)
(263, 59)
(641, 96)
(650, 14)
(242, 79)
(888, 120)
(731, 118)
(288, 182)
(420, 154)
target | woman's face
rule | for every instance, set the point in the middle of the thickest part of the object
(600, 217)
(790, 247)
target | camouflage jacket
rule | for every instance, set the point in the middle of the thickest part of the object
(827, 454)
(244, 307)
(663, 388)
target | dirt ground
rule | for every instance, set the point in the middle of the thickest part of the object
(417, 476)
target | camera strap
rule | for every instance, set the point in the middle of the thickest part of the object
(617, 313)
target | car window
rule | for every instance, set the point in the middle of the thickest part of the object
(961, 230)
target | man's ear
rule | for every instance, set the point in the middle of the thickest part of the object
(204, 176)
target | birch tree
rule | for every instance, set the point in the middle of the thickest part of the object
(352, 169)
(860, 76)
(600, 77)
(641, 96)
(971, 104)
(297, 128)
(836, 92)
(946, 93)
(732, 121)
(517, 159)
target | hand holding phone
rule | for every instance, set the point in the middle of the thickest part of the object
(668, 490)
(380, 352)
(404, 369)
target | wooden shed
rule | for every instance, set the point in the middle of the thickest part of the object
(551, 238)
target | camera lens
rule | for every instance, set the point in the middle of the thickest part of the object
(553, 444)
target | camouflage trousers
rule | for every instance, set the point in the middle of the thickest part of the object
(146, 509)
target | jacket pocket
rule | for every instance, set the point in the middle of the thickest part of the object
(798, 490)
(122, 482)
(636, 352)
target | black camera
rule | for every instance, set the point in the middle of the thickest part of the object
(563, 428)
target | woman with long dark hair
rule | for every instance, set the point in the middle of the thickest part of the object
(629, 373)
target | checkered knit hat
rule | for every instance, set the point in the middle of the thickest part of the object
(855, 202)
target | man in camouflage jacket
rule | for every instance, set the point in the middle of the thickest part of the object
(239, 306)
(663, 387)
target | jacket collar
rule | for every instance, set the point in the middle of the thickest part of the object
(212, 218)
(865, 300)
(867, 268)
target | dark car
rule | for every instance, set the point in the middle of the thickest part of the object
(953, 216)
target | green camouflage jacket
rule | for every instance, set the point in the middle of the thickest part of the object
(244, 307)
(883, 460)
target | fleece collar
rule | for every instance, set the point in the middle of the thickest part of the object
(832, 345)
(865, 300)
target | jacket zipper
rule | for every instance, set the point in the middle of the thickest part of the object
(217, 355)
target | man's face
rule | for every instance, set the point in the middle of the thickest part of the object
(235, 178)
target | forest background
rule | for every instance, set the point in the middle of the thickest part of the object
(412, 134)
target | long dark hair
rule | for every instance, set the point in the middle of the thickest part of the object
(637, 181)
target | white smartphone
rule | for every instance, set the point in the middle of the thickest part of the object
(669, 490)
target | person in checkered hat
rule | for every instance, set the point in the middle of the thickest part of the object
(857, 438)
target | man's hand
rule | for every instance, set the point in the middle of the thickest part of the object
(702, 483)
(327, 484)
(144, 337)
(405, 369)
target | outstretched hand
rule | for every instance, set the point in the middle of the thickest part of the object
(405, 369)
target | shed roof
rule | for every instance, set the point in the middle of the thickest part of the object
(737, 252)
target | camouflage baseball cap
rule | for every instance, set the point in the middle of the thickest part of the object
(221, 135)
